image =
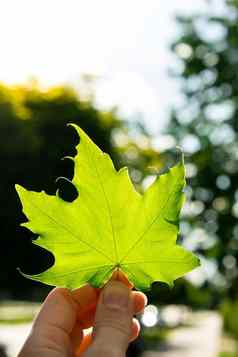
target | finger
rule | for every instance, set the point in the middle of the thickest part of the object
(87, 341)
(53, 325)
(113, 322)
(139, 297)
(77, 337)
(85, 298)
(135, 330)
(140, 301)
(86, 316)
(59, 310)
(88, 338)
(81, 342)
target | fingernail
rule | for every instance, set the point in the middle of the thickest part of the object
(116, 295)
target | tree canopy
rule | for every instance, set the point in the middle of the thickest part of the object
(205, 125)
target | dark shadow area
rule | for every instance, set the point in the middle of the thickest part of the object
(3, 352)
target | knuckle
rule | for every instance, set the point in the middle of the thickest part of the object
(115, 325)
(99, 350)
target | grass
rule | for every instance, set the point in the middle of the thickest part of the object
(16, 321)
(12, 312)
(154, 336)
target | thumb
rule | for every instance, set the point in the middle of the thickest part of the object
(113, 322)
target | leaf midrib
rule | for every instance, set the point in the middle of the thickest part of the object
(92, 157)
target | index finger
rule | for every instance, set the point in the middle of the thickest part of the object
(87, 296)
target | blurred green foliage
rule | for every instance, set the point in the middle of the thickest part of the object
(205, 125)
(229, 310)
(154, 337)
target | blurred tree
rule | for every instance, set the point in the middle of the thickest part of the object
(205, 125)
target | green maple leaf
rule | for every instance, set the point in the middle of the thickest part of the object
(110, 225)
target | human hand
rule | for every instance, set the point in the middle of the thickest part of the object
(58, 330)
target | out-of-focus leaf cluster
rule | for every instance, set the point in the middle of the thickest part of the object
(205, 126)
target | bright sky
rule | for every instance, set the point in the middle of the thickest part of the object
(124, 42)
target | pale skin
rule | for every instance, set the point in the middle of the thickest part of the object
(59, 329)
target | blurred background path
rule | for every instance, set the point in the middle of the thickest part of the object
(201, 338)
(12, 337)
